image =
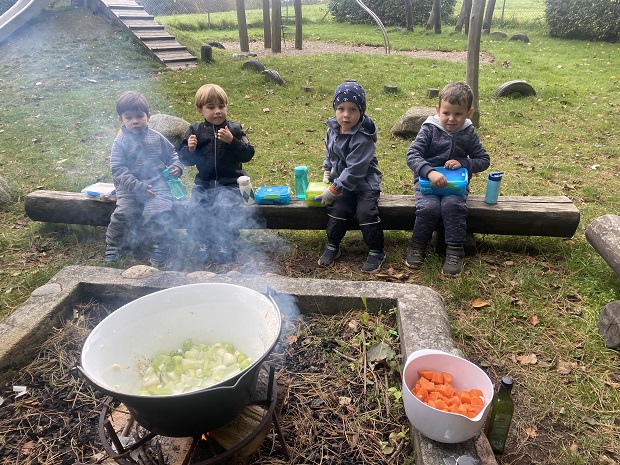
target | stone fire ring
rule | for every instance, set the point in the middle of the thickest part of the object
(422, 319)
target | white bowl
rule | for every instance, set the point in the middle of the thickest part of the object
(436, 424)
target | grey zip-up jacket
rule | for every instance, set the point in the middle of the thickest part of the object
(433, 146)
(350, 157)
(137, 161)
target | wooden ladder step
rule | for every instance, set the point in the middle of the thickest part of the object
(181, 65)
(148, 36)
(164, 45)
(175, 56)
(125, 15)
(144, 25)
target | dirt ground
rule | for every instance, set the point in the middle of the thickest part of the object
(314, 48)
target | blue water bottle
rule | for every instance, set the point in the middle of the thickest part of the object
(176, 186)
(493, 184)
(301, 181)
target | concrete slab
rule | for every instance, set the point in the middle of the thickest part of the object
(422, 319)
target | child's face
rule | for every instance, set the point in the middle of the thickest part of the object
(347, 115)
(135, 121)
(452, 116)
(214, 112)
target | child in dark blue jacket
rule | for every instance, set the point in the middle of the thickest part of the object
(217, 147)
(447, 139)
(352, 168)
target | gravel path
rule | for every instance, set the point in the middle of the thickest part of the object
(314, 48)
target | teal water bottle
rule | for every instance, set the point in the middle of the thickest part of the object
(301, 181)
(176, 186)
(493, 184)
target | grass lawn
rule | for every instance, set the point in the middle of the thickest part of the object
(58, 87)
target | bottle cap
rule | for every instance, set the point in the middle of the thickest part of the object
(507, 382)
(242, 180)
(496, 176)
(301, 170)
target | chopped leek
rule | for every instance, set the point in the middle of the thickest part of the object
(192, 367)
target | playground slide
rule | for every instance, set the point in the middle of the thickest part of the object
(19, 14)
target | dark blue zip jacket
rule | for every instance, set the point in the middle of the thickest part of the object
(350, 158)
(218, 163)
(433, 146)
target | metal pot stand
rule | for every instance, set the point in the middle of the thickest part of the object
(126, 454)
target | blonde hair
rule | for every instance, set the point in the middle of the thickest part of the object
(210, 93)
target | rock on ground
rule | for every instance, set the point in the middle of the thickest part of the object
(172, 127)
(410, 123)
(5, 194)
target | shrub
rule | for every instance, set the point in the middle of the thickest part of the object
(584, 19)
(391, 12)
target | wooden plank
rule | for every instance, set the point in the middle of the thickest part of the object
(527, 216)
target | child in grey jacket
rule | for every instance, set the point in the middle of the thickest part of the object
(352, 168)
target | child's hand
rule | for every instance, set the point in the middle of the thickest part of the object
(175, 171)
(192, 142)
(326, 174)
(225, 135)
(452, 165)
(437, 179)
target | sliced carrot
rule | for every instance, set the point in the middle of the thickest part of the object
(436, 390)
(428, 374)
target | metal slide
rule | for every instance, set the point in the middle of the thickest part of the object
(19, 14)
(373, 15)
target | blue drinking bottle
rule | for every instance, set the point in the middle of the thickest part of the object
(301, 181)
(493, 184)
(176, 186)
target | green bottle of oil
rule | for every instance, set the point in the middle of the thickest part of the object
(501, 415)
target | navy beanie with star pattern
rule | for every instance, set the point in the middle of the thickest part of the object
(350, 91)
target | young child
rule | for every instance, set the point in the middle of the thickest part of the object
(352, 168)
(144, 201)
(447, 140)
(217, 147)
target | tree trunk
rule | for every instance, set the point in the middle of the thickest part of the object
(464, 17)
(276, 26)
(488, 17)
(266, 25)
(473, 54)
(244, 43)
(409, 15)
(437, 9)
(298, 23)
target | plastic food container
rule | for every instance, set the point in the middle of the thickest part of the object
(436, 424)
(457, 182)
(314, 189)
(273, 195)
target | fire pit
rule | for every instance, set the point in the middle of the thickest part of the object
(422, 321)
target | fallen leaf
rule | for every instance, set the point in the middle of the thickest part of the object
(574, 448)
(564, 368)
(531, 432)
(291, 339)
(479, 303)
(509, 263)
(387, 450)
(342, 400)
(27, 447)
(530, 359)
(534, 320)
(265, 110)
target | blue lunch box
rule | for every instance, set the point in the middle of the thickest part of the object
(457, 182)
(273, 195)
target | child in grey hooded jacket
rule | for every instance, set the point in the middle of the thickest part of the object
(351, 166)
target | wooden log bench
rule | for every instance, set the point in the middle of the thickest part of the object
(554, 216)
(604, 235)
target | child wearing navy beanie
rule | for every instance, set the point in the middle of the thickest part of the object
(351, 167)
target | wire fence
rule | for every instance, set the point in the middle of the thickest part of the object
(506, 13)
